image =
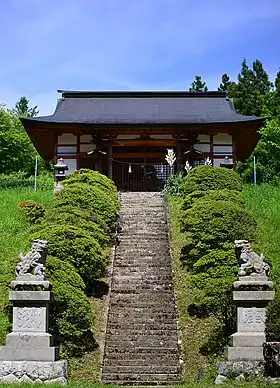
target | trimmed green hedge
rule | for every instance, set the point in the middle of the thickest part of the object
(104, 207)
(78, 225)
(213, 216)
(76, 245)
(212, 196)
(204, 178)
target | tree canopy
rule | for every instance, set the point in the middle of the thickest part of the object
(198, 85)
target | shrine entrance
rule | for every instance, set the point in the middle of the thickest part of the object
(140, 175)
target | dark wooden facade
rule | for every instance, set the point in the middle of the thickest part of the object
(130, 132)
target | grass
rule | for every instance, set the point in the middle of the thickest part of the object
(194, 331)
(14, 236)
(264, 204)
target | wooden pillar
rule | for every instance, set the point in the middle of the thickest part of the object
(110, 159)
(78, 150)
(234, 152)
(212, 149)
(179, 155)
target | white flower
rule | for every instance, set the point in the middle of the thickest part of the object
(170, 157)
(188, 167)
(208, 162)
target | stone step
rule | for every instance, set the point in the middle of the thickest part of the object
(142, 379)
(144, 320)
(170, 361)
(148, 313)
(133, 332)
(120, 342)
(144, 326)
(122, 288)
(143, 369)
(151, 351)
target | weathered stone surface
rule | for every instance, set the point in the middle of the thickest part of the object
(27, 340)
(240, 367)
(28, 371)
(248, 339)
(272, 358)
(29, 354)
(30, 319)
(220, 379)
(242, 353)
(251, 319)
(142, 339)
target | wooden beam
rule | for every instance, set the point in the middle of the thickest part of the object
(144, 143)
(140, 155)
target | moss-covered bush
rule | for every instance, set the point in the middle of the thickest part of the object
(92, 178)
(78, 218)
(208, 225)
(33, 210)
(205, 178)
(71, 314)
(213, 216)
(77, 246)
(103, 206)
(213, 195)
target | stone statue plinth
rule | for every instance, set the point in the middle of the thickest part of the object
(251, 294)
(29, 354)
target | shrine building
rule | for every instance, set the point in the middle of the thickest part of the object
(125, 135)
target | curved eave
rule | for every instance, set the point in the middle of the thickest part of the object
(35, 121)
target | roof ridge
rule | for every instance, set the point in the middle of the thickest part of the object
(140, 94)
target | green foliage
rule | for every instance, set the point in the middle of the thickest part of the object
(212, 195)
(267, 154)
(68, 215)
(93, 178)
(77, 246)
(22, 108)
(17, 153)
(204, 178)
(103, 206)
(34, 211)
(198, 85)
(209, 225)
(226, 84)
(71, 313)
(21, 179)
(173, 183)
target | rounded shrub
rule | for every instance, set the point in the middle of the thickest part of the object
(34, 211)
(212, 195)
(92, 178)
(78, 218)
(103, 207)
(71, 312)
(204, 178)
(215, 222)
(77, 246)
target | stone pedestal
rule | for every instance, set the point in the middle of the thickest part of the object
(29, 355)
(251, 294)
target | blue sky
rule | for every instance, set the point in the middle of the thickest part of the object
(129, 44)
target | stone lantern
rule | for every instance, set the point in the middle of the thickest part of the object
(227, 163)
(60, 173)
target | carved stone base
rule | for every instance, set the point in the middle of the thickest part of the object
(33, 372)
(238, 370)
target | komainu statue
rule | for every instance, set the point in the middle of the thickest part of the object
(250, 263)
(34, 262)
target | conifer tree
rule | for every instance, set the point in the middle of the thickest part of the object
(198, 85)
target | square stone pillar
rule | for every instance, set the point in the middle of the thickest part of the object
(29, 355)
(251, 294)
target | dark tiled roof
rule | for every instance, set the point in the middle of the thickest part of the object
(144, 108)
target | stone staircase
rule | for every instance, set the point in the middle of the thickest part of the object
(141, 345)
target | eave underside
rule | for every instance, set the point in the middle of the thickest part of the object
(43, 135)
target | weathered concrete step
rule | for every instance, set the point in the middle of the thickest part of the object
(145, 320)
(129, 332)
(135, 270)
(157, 369)
(128, 337)
(144, 317)
(147, 350)
(144, 326)
(143, 379)
(121, 288)
(170, 361)
(136, 258)
(121, 342)
(142, 308)
(142, 282)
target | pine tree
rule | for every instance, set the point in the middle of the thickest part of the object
(251, 90)
(22, 108)
(198, 85)
(226, 84)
